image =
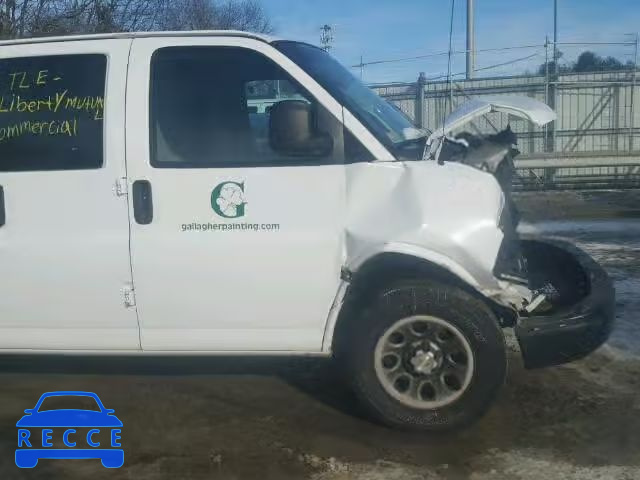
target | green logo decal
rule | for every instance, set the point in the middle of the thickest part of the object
(227, 199)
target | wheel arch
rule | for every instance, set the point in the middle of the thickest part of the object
(384, 267)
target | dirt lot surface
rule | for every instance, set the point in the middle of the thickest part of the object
(234, 418)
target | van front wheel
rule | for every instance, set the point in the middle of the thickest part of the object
(426, 356)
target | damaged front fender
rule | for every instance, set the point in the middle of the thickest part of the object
(417, 252)
(448, 215)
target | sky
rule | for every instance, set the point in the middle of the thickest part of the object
(391, 29)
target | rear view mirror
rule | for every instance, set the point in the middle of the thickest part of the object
(292, 132)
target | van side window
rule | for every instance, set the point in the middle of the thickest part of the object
(234, 107)
(51, 112)
(354, 150)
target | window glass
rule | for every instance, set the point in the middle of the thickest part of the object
(354, 150)
(233, 107)
(51, 112)
(384, 120)
(262, 95)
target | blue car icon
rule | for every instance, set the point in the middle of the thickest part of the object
(35, 430)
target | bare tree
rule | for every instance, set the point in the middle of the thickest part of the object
(189, 15)
(207, 14)
(24, 18)
(247, 15)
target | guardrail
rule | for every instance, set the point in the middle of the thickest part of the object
(581, 177)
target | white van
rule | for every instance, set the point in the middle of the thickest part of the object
(223, 192)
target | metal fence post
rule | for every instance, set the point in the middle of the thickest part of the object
(633, 97)
(552, 81)
(546, 90)
(419, 113)
(550, 99)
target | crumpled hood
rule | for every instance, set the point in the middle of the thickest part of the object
(523, 107)
(492, 153)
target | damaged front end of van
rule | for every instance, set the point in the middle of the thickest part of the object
(454, 209)
(566, 309)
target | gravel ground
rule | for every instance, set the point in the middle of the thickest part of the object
(235, 418)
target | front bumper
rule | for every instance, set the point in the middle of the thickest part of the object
(571, 331)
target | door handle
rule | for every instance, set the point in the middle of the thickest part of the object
(3, 215)
(142, 202)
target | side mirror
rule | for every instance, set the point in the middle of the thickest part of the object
(292, 133)
(109, 411)
(29, 411)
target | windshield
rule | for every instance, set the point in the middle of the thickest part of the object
(383, 119)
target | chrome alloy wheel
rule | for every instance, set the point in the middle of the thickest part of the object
(424, 362)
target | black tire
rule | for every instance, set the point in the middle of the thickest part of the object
(470, 315)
